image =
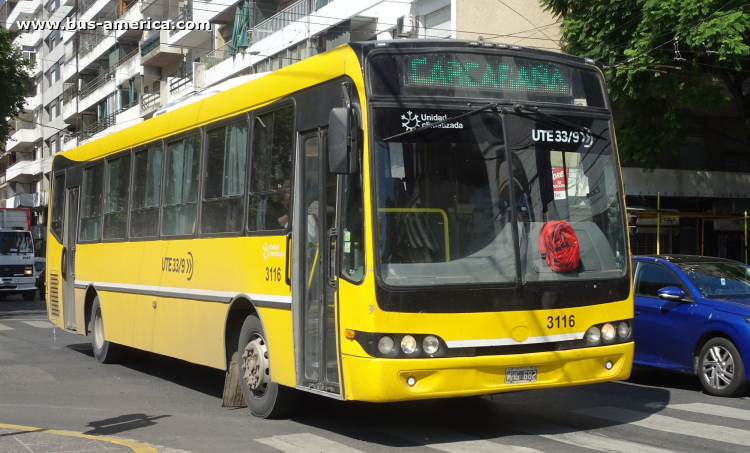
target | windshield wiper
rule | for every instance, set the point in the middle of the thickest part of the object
(491, 105)
(518, 108)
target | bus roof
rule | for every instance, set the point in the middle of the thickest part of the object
(259, 91)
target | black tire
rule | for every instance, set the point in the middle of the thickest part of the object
(3, 296)
(104, 351)
(28, 296)
(720, 368)
(264, 398)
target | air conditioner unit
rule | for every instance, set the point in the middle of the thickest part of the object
(406, 26)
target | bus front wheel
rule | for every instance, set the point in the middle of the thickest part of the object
(104, 351)
(264, 398)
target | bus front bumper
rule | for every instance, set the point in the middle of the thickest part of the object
(381, 380)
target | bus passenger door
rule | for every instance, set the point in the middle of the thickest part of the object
(316, 216)
(68, 258)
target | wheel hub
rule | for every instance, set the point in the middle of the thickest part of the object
(718, 367)
(255, 366)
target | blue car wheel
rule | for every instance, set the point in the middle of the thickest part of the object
(721, 370)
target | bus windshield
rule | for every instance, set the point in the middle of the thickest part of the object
(446, 197)
(16, 242)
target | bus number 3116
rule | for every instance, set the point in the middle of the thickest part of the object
(273, 274)
(567, 321)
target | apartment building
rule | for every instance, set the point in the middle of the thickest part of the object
(89, 83)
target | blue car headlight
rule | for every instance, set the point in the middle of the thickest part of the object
(747, 320)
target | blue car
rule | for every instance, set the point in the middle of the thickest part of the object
(692, 315)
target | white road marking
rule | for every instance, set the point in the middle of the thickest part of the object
(583, 439)
(41, 324)
(305, 443)
(4, 327)
(667, 424)
(449, 441)
(713, 409)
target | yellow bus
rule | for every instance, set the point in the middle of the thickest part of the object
(366, 224)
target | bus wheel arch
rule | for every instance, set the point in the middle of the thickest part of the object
(88, 304)
(239, 309)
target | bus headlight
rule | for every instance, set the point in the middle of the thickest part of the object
(408, 344)
(386, 344)
(593, 334)
(608, 332)
(430, 344)
(28, 271)
(623, 329)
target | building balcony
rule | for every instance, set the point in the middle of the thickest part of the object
(25, 171)
(130, 12)
(24, 137)
(24, 10)
(188, 38)
(33, 102)
(150, 102)
(155, 50)
(28, 200)
(90, 8)
(31, 38)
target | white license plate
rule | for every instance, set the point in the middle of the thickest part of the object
(519, 375)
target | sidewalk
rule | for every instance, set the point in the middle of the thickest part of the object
(26, 439)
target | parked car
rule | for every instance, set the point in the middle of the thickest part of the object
(692, 315)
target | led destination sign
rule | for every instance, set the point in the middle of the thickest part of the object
(486, 72)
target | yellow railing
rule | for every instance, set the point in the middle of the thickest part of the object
(428, 210)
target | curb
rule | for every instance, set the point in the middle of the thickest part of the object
(135, 446)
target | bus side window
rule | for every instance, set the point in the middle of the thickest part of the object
(224, 184)
(271, 171)
(181, 187)
(144, 216)
(116, 201)
(91, 203)
(58, 203)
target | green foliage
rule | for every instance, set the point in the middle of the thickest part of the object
(641, 42)
(14, 81)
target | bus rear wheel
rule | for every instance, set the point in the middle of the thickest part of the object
(264, 398)
(104, 351)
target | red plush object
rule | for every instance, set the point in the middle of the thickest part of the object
(559, 246)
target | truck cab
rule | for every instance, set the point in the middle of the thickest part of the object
(17, 274)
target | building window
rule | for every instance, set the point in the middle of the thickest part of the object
(437, 24)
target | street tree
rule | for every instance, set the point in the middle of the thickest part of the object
(14, 81)
(666, 61)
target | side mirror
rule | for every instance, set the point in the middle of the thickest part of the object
(672, 293)
(343, 141)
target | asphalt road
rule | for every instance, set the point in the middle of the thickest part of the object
(50, 379)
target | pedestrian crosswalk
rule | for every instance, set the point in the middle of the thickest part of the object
(555, 437)
(14, 324)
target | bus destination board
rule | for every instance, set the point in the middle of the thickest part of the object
(486, 72)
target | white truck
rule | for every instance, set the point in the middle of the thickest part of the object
(17, 275)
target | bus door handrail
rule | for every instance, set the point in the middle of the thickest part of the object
(428, 210)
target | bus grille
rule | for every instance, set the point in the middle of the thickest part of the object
(12, 271)
(54, 301)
